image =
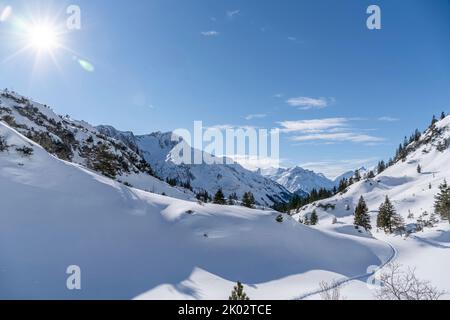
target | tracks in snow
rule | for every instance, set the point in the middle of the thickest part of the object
(346, 280)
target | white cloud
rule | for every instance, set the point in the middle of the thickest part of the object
(388, 119)
(255, 116)
(334, 168)
(343, 136)
(232, 14)
(292, 38)
(329, 130)
(306, 103)
(211, 33)
(314, 125)
(278, 95)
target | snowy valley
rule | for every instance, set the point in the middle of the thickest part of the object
(73, 194)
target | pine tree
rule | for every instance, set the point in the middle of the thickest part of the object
(238, 293)
(314, 219)
(219, 197)
(357, 176)
(388, 219)
(443, 115)
(419, 169)
(362, 217)
(248, 200)
(442, 201)
(381, 167)
(433, 121)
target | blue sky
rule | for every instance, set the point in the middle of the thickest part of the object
(344, 95)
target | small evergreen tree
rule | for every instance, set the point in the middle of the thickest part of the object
(433, 121)
(219, 197)
(381, 167)
(248, 200)
(442, 201)
(388, 219)
(314, 218)
(238, 293)
(443, 115)
(279, 218)
(419, 169)
(362, 218)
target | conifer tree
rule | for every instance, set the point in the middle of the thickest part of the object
(388, 219)
(314, 218)
(238, 293)
(362, 218)
(219, 197)
(442, 201)
(419, 169)
(248, 200)
(443, 115)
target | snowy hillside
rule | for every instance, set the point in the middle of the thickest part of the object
(131, 243)
(81, 143)
(158, 150)
(413, 195)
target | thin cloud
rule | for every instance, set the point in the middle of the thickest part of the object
(211, 33)
(292, 38)
(388, 119)
(306, 103)
(314, 125)
(328, 130)
(232, 14)
(255, 116)
(343, 136)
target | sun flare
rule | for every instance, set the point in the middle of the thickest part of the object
(42, 37)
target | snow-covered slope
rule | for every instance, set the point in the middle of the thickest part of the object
(81, 143)
(412, 193)
(54, 214)
(159, 150)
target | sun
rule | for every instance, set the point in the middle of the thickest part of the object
(43, 37)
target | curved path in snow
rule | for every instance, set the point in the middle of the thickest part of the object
(343, 281)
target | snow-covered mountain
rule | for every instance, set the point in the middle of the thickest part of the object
(128, 242)
(145, 162)
(302, 181)
(158, 149)
(298, 180)
(81, 143)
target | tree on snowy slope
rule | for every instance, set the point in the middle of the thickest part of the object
(388, 219)
(442, 203)
(314, 218)
(362, 218)
(219, 197)
(248, 200)
(238, 293)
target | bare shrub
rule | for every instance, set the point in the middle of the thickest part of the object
(330, 291)
(400, 284)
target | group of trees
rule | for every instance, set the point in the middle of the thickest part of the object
(298, 201)
(387, 218)
(248, 199)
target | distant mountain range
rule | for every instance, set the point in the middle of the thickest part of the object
(300, 181)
